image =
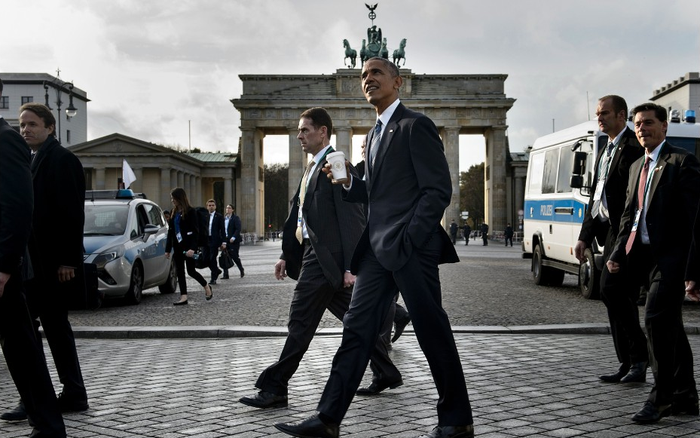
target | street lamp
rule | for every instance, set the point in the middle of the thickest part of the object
(61, 87)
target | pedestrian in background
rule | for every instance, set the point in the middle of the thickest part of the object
(508, 234)
(232, 223)
(216, 241)
(467, 231)
(183, 236)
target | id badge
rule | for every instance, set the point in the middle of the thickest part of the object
(179, 237)
(599, 190)
(637, 217)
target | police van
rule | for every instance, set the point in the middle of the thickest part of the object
(557, 191)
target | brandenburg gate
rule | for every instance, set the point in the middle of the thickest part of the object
(457, 103)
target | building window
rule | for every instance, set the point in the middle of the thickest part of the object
(4, 102)
(27, 99)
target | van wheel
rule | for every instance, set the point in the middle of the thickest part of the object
(545, 275)
(135, 292)
(589, 277)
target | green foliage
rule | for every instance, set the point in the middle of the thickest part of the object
(471, 193)
(276, 198)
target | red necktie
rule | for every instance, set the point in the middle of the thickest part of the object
(641, 188)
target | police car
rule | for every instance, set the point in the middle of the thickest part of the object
(124, 237)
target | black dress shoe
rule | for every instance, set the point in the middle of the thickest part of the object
(399, 327)
(72, 404)
(212, 282)
(638, 373)
(614, 378)
(16, 414)
(311, 427)
(242, 273)
(650, 413)
(180, 303)
(225, 277)
(376, 387)
(264, 399)
(451, 432)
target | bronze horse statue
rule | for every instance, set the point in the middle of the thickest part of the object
(349, 53)
(400, 53)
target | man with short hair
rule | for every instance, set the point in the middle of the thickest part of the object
(407, 188)
(59, 186)
(232, 224)
(21, 348)
(216, 241)
(662, 200)
(319, 237)
(602, 222)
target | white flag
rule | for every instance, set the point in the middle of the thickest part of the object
(127, 175)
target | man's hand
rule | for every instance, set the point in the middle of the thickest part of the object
(327, 170)
(692, 291)
(4, 278)
(613, 267)
(580, 251)
(348, 280)
(281, 269)
(167, 255)
(65, 273)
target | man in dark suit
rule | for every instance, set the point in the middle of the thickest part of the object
(319, 237)
(662, 200)
(59, 198)
(232, 224)
(217, 239)
(23, 353)
(407, 187)
(602, 222)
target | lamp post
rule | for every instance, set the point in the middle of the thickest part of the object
(60, 87)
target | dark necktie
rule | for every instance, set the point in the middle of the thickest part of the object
(641, 188)
(602, 178)
(376, 138)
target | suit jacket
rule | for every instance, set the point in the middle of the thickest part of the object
(16, 199)
(408, 189)
(188, 231)
(628, 151)
(59, 208)
(334, 227)
(673, 201)
(233, 229)
(218, 231)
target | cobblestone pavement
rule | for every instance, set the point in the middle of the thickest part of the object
(155, 370)
(520, 385)
(491, 286)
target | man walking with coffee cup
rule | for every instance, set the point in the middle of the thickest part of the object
(319, 237)
(407, 187)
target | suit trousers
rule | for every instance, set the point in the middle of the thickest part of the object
(419, 283)
(671, 355)
(182, 261)
(48, 300)
(26, 362)
(212, 252)
(620, 294)
(233, 250)
(312, 296)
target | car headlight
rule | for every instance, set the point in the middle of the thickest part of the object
(108, 255)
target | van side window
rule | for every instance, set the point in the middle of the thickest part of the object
(566, 163)
(549, 176)
(534, 180)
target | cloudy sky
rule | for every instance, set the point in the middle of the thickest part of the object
(150, 66)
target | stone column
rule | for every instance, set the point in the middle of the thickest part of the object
(251, 208)
(99, 178)
(165, 187)
(297, 163)
(495, 184)
(198, 188)
(450, 139)
(343, 141)
(181, 180)
(228, 192)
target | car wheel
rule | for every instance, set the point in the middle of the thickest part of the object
(170, 285)
(589, 277)
(135, 292)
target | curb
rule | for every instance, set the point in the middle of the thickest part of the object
(209, 332)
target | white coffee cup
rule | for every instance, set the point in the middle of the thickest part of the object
(337, 162)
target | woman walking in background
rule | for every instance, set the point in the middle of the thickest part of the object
(182, 238)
